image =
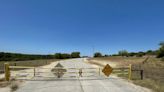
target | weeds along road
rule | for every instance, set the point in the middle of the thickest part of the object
(83, 84)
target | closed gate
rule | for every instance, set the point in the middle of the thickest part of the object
(59, 72)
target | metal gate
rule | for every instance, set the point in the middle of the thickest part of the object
(37, 73)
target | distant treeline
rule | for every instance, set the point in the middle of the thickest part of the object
(21, 57)
(137, 54)
(127, 54)
(158, 53)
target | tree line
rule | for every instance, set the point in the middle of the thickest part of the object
(158, 53)
(125, 53)
(22, 57)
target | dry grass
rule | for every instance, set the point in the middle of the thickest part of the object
(153, 70)
(13, 84)
(96, 63)
(121, 61)
(33, 63)
(153, 75)
(157, 86)
(3, 83)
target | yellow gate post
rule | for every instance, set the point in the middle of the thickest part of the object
(130, 71)
(7, 71)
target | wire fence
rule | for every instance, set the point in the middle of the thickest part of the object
(148, 71)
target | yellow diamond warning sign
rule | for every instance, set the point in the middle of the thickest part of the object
(107, 70)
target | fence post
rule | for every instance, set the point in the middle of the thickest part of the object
(7, 71)
(15, 64)
(99, 71)
(130, 72)
(141, 73)
(34, 72)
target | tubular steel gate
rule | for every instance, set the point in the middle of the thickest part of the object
(34, 73)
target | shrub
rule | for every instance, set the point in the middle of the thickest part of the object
(75, 54)
(161, 50)
(97, 54)
(162, 59)
(123, 53)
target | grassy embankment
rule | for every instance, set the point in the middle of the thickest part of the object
(153, 70)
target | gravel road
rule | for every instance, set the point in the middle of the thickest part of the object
(94, 83)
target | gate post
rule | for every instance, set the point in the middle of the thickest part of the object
(141, 73)
(7, 71)
(130, 72)
(34, 72)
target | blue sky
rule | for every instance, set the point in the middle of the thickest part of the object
(50, 26)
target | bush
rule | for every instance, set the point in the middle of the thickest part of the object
(140, 54)
(97, 54)
(75, 54)
(132, 54)
(160, 52)
(65, 56)
(62, 56)
(57, 55)
(123, 53)
(162, 59)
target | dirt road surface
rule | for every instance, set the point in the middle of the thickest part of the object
(93, 83)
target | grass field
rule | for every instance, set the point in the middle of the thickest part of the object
(32, 63)
(153, 70)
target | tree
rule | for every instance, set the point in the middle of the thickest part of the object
(75, 54)
(106, 55)
(97, 54)
(123, 53)
(151, 52)
(132, 54)
(57, 55)
(65, 56)
(161, 50)
(114, 55)
(140, 54)
(161, 43)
